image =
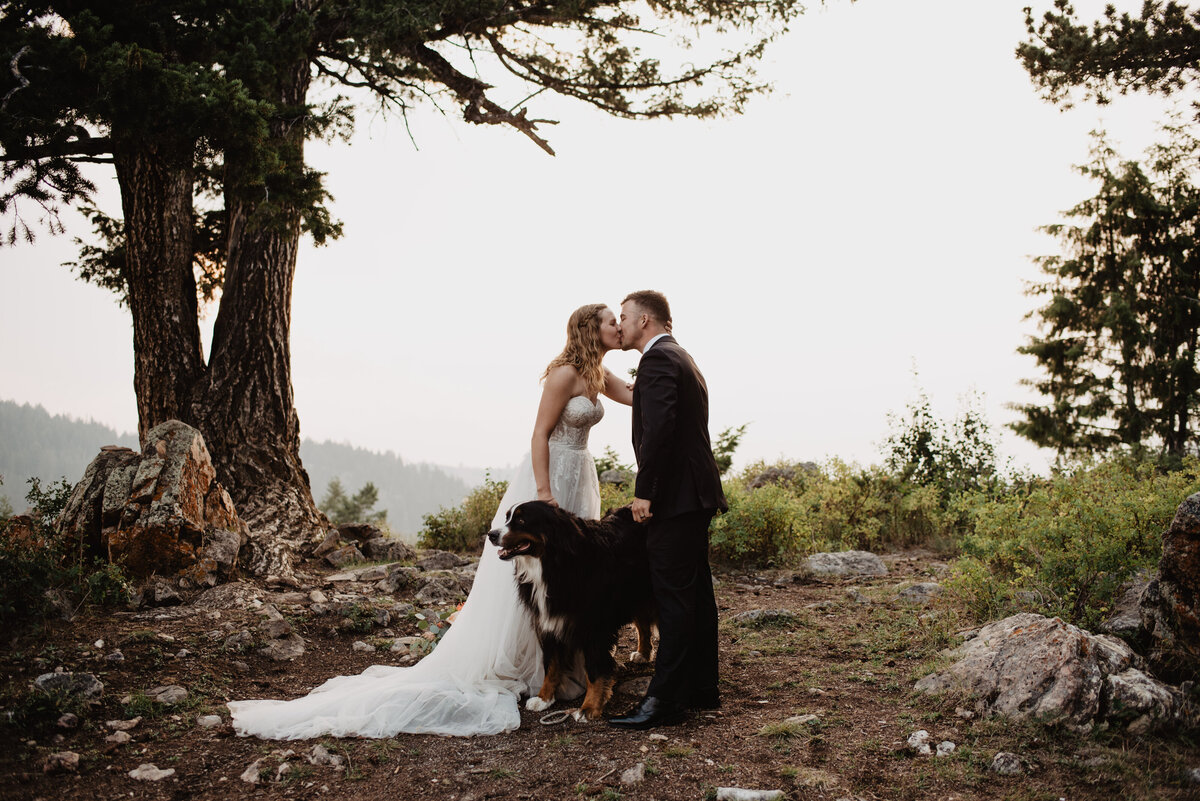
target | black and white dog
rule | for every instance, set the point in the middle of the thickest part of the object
(582, 580)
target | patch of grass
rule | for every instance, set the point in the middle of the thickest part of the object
(678, 751)
(791, 728)
(651, 768)
(502, 773)
(563, 741)
(610, 794)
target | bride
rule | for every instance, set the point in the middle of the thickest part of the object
(472, 681)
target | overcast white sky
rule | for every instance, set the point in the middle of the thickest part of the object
(877, 211)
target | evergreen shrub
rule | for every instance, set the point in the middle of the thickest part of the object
(1063, 546)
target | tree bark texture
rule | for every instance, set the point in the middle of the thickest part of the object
(156, 198)
(245, 406)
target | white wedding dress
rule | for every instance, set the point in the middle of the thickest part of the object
(472, 681)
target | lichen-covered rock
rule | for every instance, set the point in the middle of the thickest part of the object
(440, 588)
(160, 512)
(847, 563)
(1170, 604)
(1030, 666)
(440, 560)
(388, 549)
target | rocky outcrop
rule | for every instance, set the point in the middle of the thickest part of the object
(1030, 666)
(160, 512)
(1170, 604)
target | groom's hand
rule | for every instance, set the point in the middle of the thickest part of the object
(641, 510)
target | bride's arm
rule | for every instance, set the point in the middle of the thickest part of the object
(556, 391)
(618, 390)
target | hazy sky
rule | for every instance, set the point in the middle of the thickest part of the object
(875, 213)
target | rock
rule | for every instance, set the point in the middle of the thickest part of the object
(617, 477)
(118, 737)
(124, 725)
(234, 595)
(274, 629)
(1170, 603)
(765, 617)
(169, 694)
(403, 610)
(284, 649)
(783, 474)
(800, 720)
(1193, 776)
(658, 738)
(634, 775)
(363, 648)
(739, 794)
(440, 560)
(1030, 666)
(847, 563)
(346, 555)
(1125, 621)
(163, 594)
(252, 774)
(921, 593)
(945, 748)
(116, 657)
(82, 686)
(398, 578)
(209, 721)
(318, 597)
(388, 549)
(854, 594)
(319, 755)
(158, 512)
(283, 770)
(332, 541)
(150, 773)
(918, 741)
(68, 721)
(238, 640)
(439, 588)
(1006, 764)
(62, 762)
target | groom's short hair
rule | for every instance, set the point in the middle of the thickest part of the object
(652, 303)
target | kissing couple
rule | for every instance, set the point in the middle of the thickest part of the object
(471, 683)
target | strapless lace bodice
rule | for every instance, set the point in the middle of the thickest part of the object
(577, 419)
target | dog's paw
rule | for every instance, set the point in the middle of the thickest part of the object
(638, 658)
(536, 704)
(581, 716)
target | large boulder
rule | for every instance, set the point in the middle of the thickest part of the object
(160, 512)
(847, 563)
(1030, 666)
(1170, 604)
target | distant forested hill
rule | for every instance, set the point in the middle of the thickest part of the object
(35, 443)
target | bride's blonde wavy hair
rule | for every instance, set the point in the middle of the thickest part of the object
(584, 351)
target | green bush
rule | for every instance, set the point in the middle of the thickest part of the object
(463, 527)
(763, 526)
(1064, 545)
(36, 562)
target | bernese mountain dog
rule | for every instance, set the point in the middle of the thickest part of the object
(582, 580)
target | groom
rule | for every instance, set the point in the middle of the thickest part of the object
(677, 492)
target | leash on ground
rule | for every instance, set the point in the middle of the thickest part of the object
(556, 717)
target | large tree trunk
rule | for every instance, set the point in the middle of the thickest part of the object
(245, 406)
(155, 177)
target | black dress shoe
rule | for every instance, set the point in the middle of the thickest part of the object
(650, 712)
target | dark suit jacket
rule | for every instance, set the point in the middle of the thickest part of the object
(676, 469)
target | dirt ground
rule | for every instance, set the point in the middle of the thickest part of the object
(849, 659)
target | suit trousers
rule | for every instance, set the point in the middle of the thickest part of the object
(685, 667)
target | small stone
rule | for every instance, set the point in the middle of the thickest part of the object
(919, 741)
(150, 773)
(1006, 764)
(1193, 776)
(251, 774)
(284, 649)
(800, 720)
(209, 721)
(634, 775)
(237, 641)
(98, 645)
(362, 647)
(183, 653)
(118, 737)
(945, 748)
(283, 770)
(274, 629)
(239, 666)
(80, 685)
(740, 794)
(320, 755)
(318, 597)
(62, 762)
(169, 694)
(124, 725)
(964, 713)
(658, 738)
(68, 721)
(115, 657)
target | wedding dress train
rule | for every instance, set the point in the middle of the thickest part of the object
(472, 681)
